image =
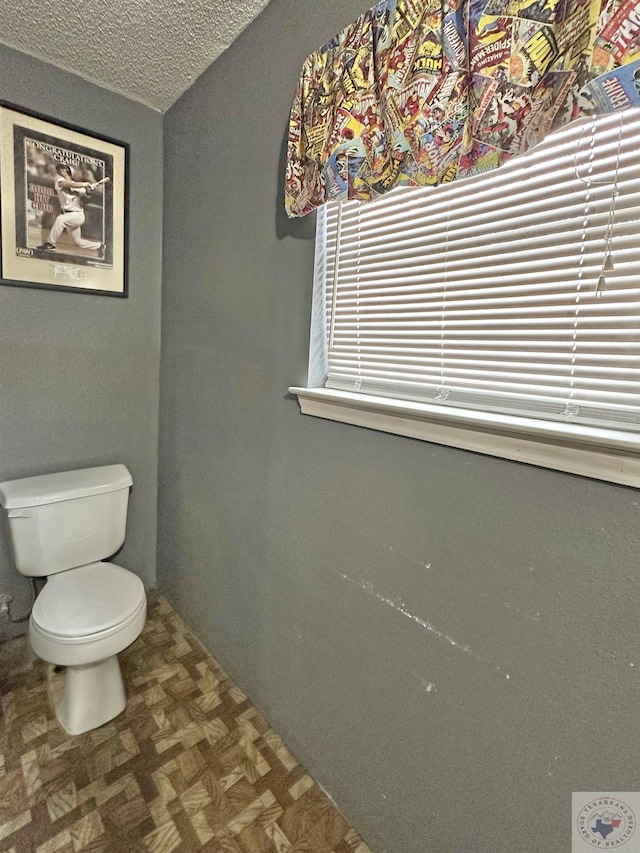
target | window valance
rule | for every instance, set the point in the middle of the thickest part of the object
(420, 92)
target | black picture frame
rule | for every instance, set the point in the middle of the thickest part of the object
(63, 205)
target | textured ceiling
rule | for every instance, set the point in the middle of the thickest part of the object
(149, 50)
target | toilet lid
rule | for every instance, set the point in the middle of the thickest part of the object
(87, 600)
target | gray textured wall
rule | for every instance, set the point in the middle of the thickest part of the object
(449, 641)
(79, 373)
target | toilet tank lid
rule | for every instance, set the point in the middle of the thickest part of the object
(64, 486)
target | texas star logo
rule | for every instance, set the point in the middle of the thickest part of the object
(605, 824)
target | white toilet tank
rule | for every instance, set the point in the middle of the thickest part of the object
(61, 521)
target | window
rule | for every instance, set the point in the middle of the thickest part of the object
(500, 314)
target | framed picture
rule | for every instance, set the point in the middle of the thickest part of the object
(63, 205)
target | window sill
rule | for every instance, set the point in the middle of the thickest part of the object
(599, 453)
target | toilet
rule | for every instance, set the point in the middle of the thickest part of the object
(62, 526)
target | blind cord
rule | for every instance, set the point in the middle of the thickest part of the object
(607, 262)
(571, 410)
(442, 393)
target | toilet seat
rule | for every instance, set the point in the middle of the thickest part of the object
(85, 639)
(88, 603)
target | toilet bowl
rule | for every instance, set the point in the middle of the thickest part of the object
(83, 619)
(61, 526)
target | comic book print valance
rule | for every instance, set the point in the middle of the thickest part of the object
(420, 92)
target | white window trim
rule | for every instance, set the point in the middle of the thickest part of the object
(602, 454)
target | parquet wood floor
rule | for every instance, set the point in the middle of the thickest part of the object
(189, 765)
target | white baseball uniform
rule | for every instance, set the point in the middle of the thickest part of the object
(71, 218)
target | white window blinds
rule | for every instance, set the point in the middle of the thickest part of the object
(517, 291)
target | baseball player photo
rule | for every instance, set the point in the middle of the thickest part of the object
(72, 197)
(64, 200)
(63, 206)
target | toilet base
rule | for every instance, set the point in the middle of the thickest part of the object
(93, 695)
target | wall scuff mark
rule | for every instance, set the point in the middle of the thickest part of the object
(400, 607)
(427, 686)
